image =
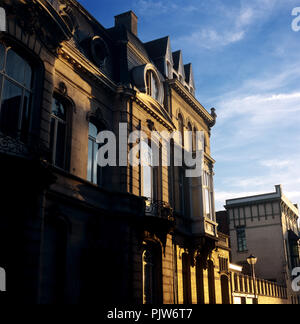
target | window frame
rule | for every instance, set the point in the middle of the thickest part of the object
(241, 246)
(38, 75)
(99, 181)
(68, 105)
(6, 78)
(151, 76)
(208, 195)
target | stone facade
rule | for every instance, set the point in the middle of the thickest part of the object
(266, 226)
(70, 231)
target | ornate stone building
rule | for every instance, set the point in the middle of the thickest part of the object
(70, 230)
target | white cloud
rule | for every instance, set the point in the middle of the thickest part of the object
(229, 25)
(150, 8)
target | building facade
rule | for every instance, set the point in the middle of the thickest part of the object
(266, 226)
(71, 231)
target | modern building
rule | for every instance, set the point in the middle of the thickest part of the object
(266, 226)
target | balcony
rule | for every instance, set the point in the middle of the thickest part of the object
(16, 147)
(23, 163)
(205, 227)
(158, 217)
(159, 209)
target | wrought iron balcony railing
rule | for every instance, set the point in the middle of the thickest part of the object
(16, 146)
(159, 209)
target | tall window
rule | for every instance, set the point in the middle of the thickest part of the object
(181, 190)
(208, 195)
(190, 137)
(211, 282)
(169, 70)
(241, 239)
(147, 171)
(152, 275)
(58, 134)
(195, 146)
(94, 171)
(186, 279)
(15, 93)
(152, 85)
(181, 127)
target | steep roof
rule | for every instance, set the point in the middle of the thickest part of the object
(157, 48)
(189, 74)
(178, 63)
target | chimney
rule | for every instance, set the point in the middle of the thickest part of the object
(129, 20)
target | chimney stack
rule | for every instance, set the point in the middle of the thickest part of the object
(129, 20)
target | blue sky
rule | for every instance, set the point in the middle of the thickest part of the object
(246, 60)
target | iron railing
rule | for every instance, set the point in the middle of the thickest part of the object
(159, 209)
(33, 147)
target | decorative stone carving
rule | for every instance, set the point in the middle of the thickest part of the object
(40, 18)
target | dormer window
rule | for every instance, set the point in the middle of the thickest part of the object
(152, 85)
(169, 70)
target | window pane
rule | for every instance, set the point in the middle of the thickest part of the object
(154, 86)
(60, 145)
(10, 108)
(2, 53)
(15, 66)
(93, 131)
(95, 171)
(52, 130)
(28, 76)
(147, 181)
(207, 203)
(58, 109)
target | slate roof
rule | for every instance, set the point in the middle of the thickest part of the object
(157, 48)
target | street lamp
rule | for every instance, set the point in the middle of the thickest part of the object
(252, 260)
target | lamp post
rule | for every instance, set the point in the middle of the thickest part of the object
(252, 260)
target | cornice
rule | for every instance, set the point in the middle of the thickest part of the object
(157, 115)
(193, 102)
(80, 63)
(154, 114)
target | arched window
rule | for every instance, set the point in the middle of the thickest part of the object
(58, 133)
(208, 196)
(169, 70)
(225, 290)
(147, 171)
(186, 279)
(152, 84)
(181, 127)
(190, 137)
(195, 146)
(211, 282)
(15, 94)
(94, 170)
(152, 274)
(200, 281)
